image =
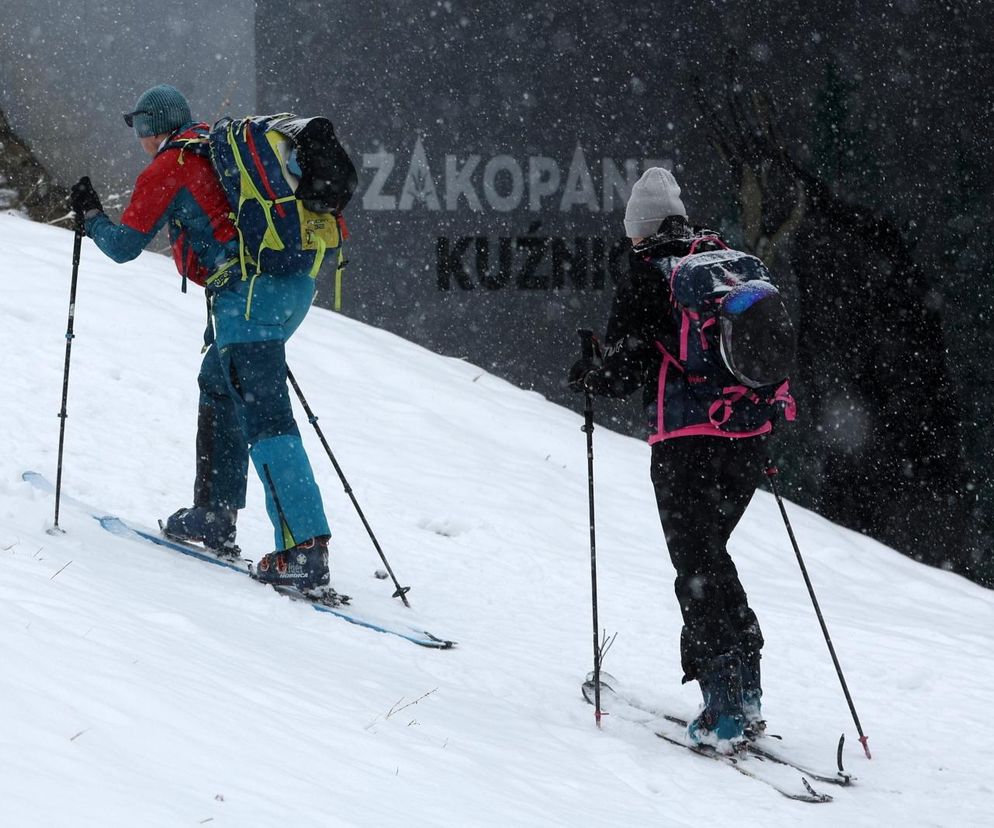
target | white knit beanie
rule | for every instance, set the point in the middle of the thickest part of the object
(655, 196)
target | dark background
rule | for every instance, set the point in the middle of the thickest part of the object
(846, 143)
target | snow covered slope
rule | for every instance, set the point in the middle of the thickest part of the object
(142, 688)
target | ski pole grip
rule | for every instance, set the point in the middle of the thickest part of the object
(586, 344)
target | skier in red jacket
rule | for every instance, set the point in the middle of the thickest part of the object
(245, 409)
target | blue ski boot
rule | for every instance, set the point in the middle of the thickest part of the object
(752, 697)
(212, 527)
(721, 723)
(303, 567)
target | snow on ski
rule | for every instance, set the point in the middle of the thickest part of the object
(777, 772)
(121, 528)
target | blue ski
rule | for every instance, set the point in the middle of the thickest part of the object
(124, 529)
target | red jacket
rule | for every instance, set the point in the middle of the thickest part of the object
(179, 187)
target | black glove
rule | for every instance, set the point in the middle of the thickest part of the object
(83, 198)
(591, 361)
(578, 375)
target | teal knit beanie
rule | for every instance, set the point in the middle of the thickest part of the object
(160, 110)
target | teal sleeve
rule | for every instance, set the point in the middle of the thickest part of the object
(118, 241)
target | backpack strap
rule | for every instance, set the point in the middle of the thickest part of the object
(192, 138)
(248, 191)
(711, 239)
(721, 409)
(783, 396)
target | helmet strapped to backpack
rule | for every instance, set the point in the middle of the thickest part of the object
(327, 176)
(757, 337)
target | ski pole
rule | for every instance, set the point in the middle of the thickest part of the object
(76, 248)
(771, 472)
(587, 349)
(401, 592)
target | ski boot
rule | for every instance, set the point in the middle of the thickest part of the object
(752, 696)
(212, 527)
(303, 567)
(721, 724)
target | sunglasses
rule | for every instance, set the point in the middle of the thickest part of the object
(129, 117)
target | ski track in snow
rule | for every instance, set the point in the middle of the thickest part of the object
(144, 688)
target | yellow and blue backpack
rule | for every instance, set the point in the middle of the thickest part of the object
(287, 180)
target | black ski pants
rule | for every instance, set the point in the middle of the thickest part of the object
(703, 486)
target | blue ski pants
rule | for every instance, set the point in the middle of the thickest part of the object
(245, 410)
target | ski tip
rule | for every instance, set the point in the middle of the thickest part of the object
(438, 643)
(606, 679)
(813, 795)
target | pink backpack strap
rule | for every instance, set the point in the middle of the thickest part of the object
(721, 409)
(667, 356)
(783, 395)
(712, 239)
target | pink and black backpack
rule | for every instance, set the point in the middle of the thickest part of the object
(735, 347)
